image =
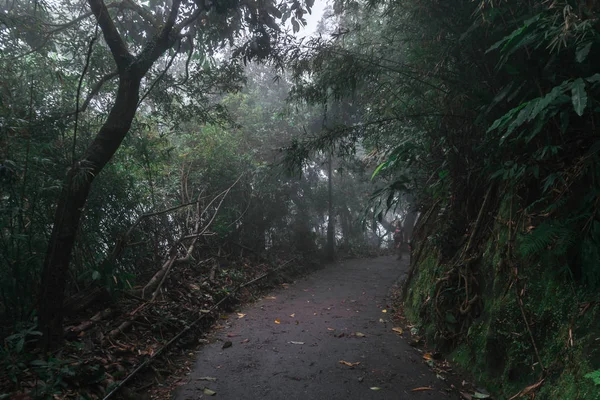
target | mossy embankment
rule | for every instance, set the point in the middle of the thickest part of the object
(517, 320)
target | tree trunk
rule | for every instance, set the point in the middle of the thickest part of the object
(75, 191)
(330, 248)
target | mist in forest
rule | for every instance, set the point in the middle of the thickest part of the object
(202, 166)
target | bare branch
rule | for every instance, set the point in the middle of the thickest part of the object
(85, 68)
(58, 28)
(96, 89)
(189, 58)
(162, 74)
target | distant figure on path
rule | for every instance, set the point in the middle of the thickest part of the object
(398, 239)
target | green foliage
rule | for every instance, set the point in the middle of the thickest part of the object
(594, 376)
(458, 99)
(548, 236)
(17, 341)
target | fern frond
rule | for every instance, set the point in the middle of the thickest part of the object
(550, 235)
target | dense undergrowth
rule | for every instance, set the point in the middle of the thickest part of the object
(110, 338)
(531, 328)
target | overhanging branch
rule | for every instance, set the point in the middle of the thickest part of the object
(161, 42)
(112, 37)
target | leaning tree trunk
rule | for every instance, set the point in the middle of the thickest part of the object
(78, 181)
(76, 188)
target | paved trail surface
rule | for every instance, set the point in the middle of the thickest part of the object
(347, 297)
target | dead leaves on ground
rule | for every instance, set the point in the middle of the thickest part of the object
(227, 344)
(207, 378)
(349, 364)
(476, 395)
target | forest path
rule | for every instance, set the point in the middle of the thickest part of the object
(299, 357)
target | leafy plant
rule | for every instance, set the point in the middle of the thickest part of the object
(594, 376)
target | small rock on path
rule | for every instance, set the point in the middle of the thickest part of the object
(299, 357)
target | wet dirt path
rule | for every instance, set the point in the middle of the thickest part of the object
(298, 358)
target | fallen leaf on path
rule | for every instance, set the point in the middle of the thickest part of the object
(350, 364)
(227, 344)
(399, 331)
(277, 321)
(224, 316)
(427, 356)
(330, 329)
(375, 388)
(270, 298)
(478, 395)
(240, 315)
(207, 378)
(245, 341)
(360, 334)
(292, 342)
(209, 392)
(292, 315)
(466, 396)
(422, 388)
(384, 310)
(231, 335)
(381, 320)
